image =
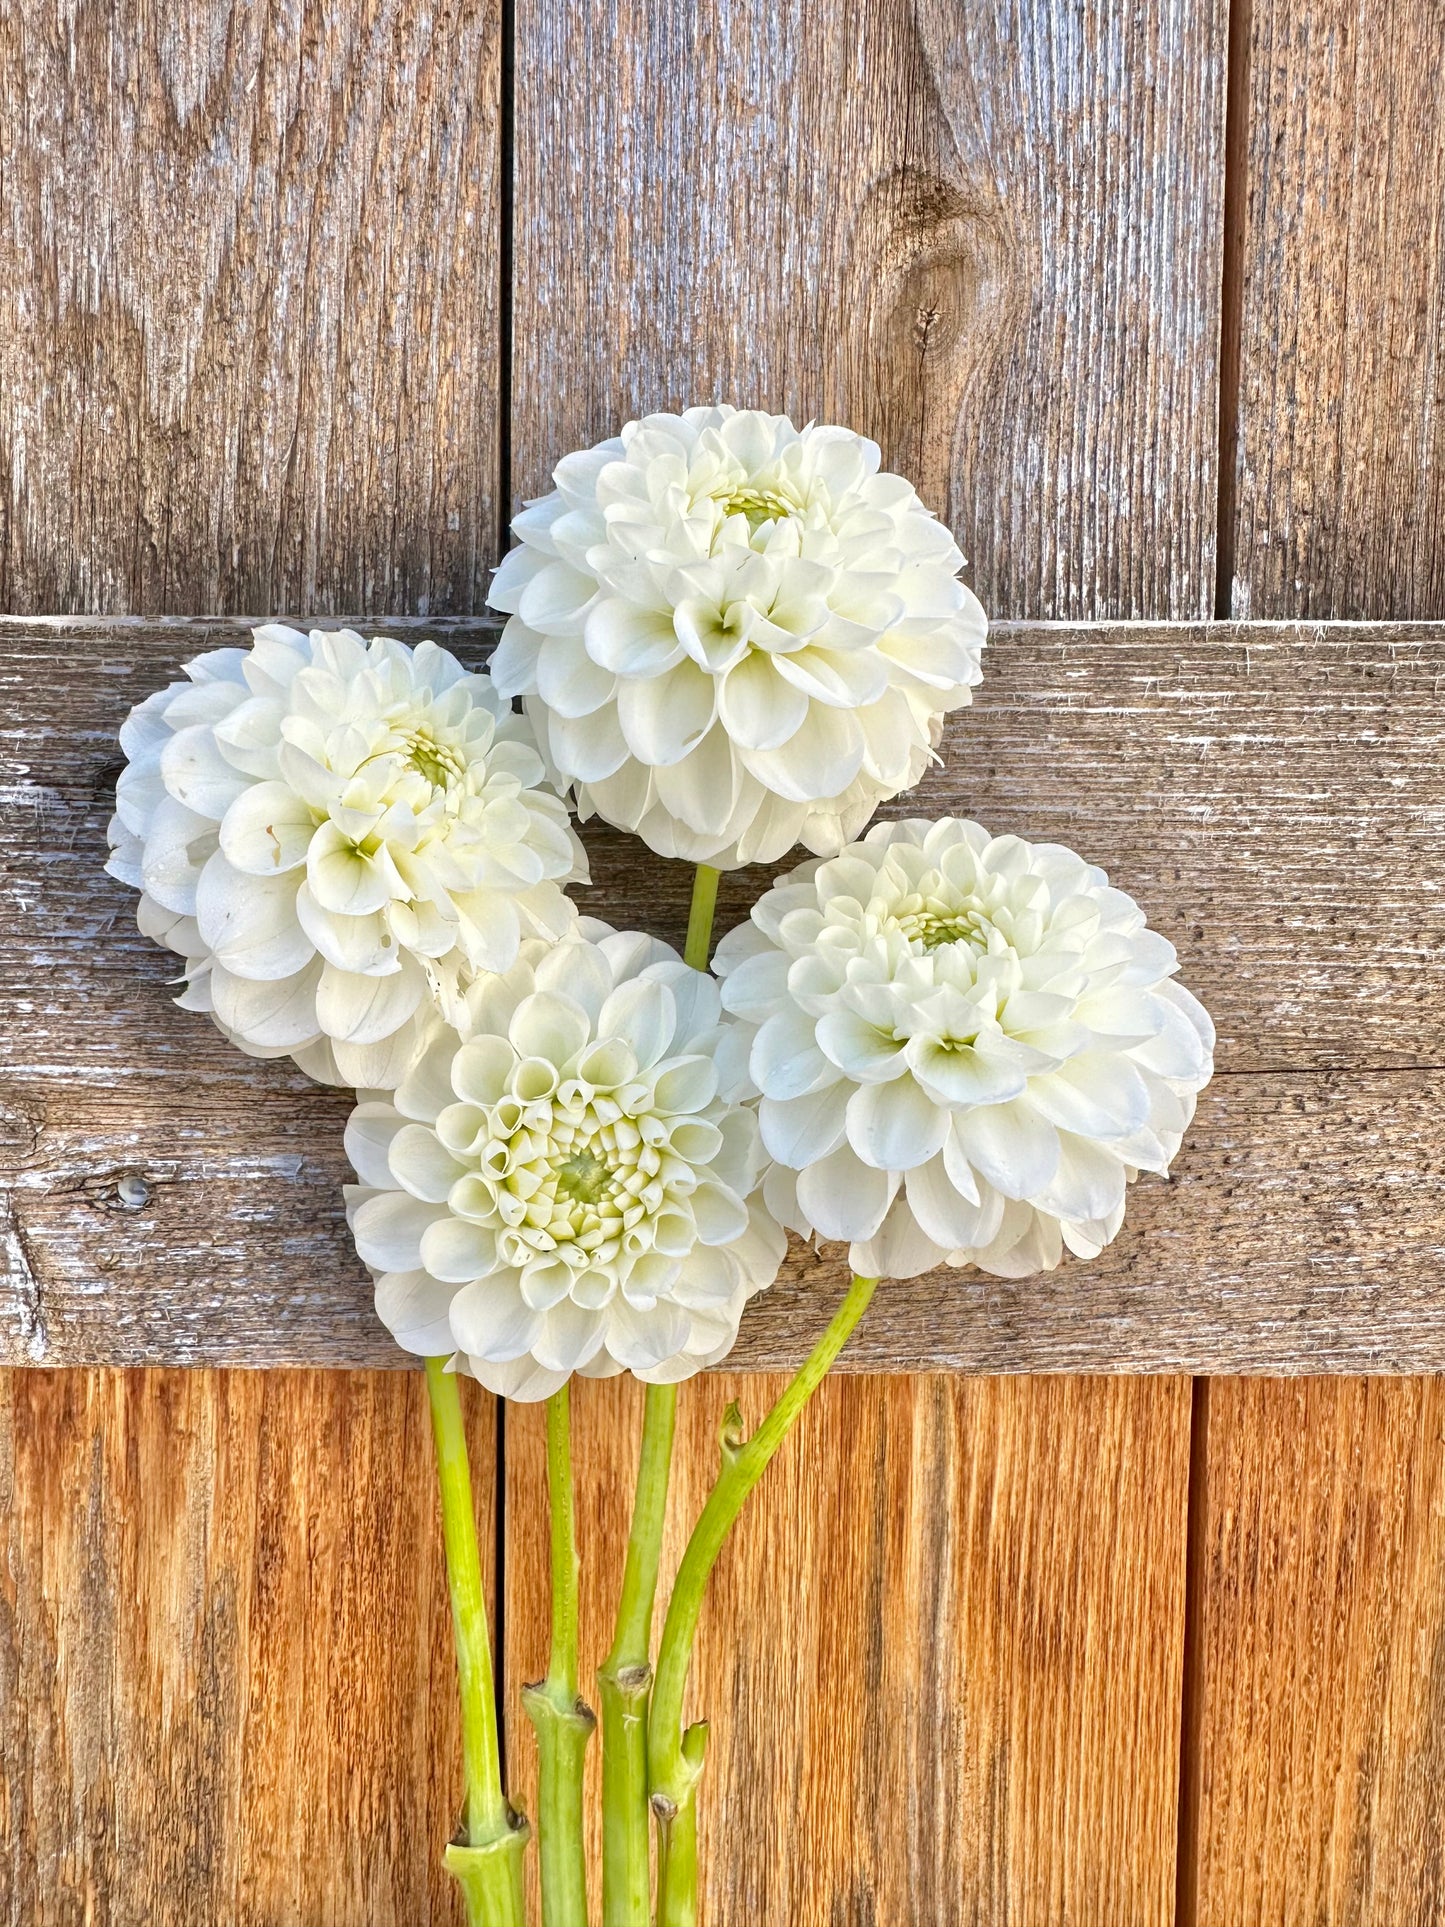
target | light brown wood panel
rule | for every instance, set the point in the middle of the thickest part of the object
(249, 296)
(227, 1690)
(1341, 433)
(1227, 774)
(988, 237)
(1320, 1764)
(941, 1653)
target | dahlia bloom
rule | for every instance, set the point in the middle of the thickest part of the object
(735, 635)
(570, 1181)
(331, 832)
(967, 1047)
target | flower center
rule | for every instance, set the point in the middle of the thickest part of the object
(438, 762)
(759, 505)
(933, 926)
(583, 1177)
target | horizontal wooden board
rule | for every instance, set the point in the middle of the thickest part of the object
(250, 274)
(227, 1686)
(941, 1651)
(1274, 794)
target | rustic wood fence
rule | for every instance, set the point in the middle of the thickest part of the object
(1110, 1599)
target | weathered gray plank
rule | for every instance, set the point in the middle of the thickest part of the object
(1274, 795)
(1341, 437)
(249, 281)
(989, 237)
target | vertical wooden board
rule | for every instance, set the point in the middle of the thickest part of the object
(249, 278)
(988, 237)
(1341, 437)
(1319, 1754)
(227, 1689)
(941, 1654)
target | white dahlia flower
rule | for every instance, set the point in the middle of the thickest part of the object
(735, 635)
(571, 1184)
(967, 1046)
(331, 832)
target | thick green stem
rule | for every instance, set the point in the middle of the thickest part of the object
(563, 1721)
(675, 1757)
(487, 1857)
(626, 1677)
(699, 917)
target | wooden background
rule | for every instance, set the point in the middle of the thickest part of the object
(295, 304)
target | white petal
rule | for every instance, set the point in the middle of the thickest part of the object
(800, 1130)
(944, 1214)
(363, 1010)
(198, 775)
(843, 1197)
(421, 1164)
(895, 1126)
(369, 1132)
(267, 829)
(664, 717)
(642, 1015)
(388, 1230)
(250, 923)
(720, 1214)
(900, 1248)
(414, 1308)
(1011, 1145)
(458, 1251)
(549, 1026)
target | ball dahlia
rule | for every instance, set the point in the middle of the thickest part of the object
(570, 1181)
(330, 832)
(967, 1046)
(735, 635)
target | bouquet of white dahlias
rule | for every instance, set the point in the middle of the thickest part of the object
(579, 1152)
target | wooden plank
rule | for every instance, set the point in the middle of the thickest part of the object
(249, 280)
(1321, 1657)
(993, 243)
(227, 1691)
(941, 1652)
(1232, 775)
(1341, 437)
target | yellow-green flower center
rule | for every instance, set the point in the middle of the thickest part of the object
(933, 926)
(759, 505)
(584, 1177)
(438, 762)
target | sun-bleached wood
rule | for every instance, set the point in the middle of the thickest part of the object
(227, 1688)
(1339, 485)
(1270, 792)
(249, 286)
(989, 238)
(941, 1651)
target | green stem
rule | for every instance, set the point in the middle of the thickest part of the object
(487, 1858)
(675, 1757)
(700, 915)
(626, 1678)
(563, 1721)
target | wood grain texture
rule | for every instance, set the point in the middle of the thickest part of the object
(227, 1691)
(989, 239)
(1274, 796)
(941, 1651)
(249, 291)
(1321, 1655)
(1341, 437)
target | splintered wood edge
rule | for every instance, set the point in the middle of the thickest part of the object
(1304, 1229)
